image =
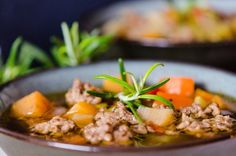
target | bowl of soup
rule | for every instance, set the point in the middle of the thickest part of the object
(131, 108)
(163, 30)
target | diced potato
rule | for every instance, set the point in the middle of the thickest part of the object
(33, 105)
(160, 117)
(219, 101)
(208, 97)
(204, 94)
(82, 108)
(82, 120)
(82, 113)
(201, 101)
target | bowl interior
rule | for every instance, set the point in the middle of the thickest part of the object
(61, 79)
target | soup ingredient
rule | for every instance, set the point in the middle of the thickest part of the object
(22, 55)
(75, 139)
(201, 101)
(204, 122)
(133, 93)
(219, 101)
(81, 113)
(183, 86)
(82, 108)
(78, 93)
(113, 87)
(161, 117)
(204, 94)
(116, 126)
(178, 101)
(76, 48)
(209, 97)
(57, 126)
(33, 105)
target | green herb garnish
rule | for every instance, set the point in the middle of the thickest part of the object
(77, 48)
(133, 93)
(20, 61)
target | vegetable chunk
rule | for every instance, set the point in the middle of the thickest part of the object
(160, 117)
(177, 100)
(114, 87)
(33, 105)
(183, 86)
(82, 113)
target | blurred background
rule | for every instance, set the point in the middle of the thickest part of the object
(202, 31)
(36, 21)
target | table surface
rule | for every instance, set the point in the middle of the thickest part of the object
(2, 153)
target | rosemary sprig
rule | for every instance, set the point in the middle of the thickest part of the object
(77, 48)
(133, 93)
(21, 58)
(102, 95)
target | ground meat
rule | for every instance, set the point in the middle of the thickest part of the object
(122, 134)
(78, 93)
(56, 126)
(201, 122)
(117, 125)
(140, 128)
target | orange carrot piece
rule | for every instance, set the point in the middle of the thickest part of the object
(177, 100)
(183, 86)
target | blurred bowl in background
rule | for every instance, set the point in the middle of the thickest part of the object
(220, 53)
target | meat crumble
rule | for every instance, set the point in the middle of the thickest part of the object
(117, 125)
(57, 126)
(201, 122)
(78, 93)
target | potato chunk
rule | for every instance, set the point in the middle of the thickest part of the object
(33, 105)
(160, 117)
(82, 113)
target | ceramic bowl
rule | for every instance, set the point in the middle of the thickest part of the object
(16, 144)
(219, 53)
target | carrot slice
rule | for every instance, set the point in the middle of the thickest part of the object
(183, 86)
(177, 100)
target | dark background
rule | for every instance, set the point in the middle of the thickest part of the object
(37, 20)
